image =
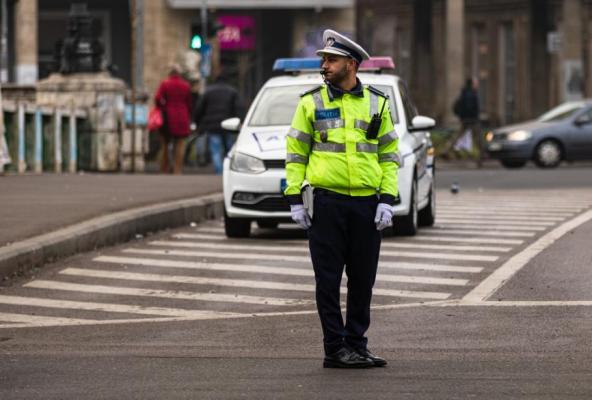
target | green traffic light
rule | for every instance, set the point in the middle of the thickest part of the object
(196, 42)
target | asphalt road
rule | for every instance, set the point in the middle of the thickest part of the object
(491, 303)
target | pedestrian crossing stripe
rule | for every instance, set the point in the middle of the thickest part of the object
(251, 267)
(497, 216)
(303, 246)
(506, 222)
(500, 227)
(166, 294)
(242, 283)
(474, 232)
(112, 308)
(269, 270)
(284, 257)
(435, 238)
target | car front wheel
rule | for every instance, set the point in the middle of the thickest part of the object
(548, 154)
(427, 216)
(237, 227)
(407, 225)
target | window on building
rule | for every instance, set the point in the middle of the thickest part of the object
(507, 70)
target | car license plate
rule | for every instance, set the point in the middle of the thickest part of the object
(495, 147)
(283, 185)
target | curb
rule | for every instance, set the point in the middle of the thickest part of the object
(105, 231)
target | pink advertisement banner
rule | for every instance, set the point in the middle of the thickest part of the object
(238, 32)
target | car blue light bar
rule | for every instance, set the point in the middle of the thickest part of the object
(314, 64)
(297, 64)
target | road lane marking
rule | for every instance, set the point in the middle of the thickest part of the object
(283, 257)
(507, 222)
(381, 264)
(109, 307)
(219, 231)
(497, 216)
(513, 228)
(235, 283)
(302, 246)
(434, 238)
(501, 275)
(270, 270)
(165, 294)
(429, 267)
(473, 232)
(38, 320)
(517, 205)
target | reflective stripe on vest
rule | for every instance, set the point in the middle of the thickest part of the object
(340, 147)
(392, 157)
(296, 158)
(360, 124)
(318, 100)
(329, 147)
(326, 124)
(387, 138)
(300, 136)
(366, 148)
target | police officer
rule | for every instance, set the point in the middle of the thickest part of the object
(342, 142)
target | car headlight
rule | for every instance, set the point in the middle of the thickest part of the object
(519, 136)
(489, 136)
(243, 163)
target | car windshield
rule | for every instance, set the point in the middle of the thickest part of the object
(562, 111)
(276, 105)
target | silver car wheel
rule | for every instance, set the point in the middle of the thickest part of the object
(548, 154)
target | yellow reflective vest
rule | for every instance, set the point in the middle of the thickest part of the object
(327, 146)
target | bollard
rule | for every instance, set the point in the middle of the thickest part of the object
(38, 164)
(21, 164)
(57, 121)
(73, 159)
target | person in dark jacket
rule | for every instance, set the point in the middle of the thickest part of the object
(219, 102)
(466, 108)
(173, 97)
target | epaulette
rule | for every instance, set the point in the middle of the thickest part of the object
(311, 91)
(378, 92)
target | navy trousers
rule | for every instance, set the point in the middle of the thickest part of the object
(343, 234)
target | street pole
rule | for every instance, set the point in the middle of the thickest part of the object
(4, 44)
(133, 71)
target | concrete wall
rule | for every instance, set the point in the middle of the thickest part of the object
(25, 13)
(166, 36)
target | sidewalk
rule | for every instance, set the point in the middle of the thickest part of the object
(50, 216)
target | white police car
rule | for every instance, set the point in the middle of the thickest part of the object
(254, 171)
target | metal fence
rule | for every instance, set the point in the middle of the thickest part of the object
(42, 139)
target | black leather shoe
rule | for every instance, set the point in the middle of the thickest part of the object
(346, 358)
(376, 361)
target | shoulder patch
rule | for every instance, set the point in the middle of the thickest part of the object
(311, 91)
(378, 92)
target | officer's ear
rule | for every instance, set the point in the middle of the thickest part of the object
(353, 64)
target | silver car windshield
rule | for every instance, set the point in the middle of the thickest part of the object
(276, 105)
(562, 111)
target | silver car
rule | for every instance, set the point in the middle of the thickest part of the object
(563, 133)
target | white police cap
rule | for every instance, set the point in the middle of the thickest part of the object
(337, 44)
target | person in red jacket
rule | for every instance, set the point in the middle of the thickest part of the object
(173, 98)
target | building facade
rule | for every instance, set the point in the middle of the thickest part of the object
(528, 55)
(164, 29)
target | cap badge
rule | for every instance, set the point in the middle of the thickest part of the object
(330, 41)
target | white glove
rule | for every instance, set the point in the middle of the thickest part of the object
(300, 216)
(384, 216)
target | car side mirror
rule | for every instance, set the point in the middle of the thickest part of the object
(421, 123)
(583, 120)
(231, 124)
